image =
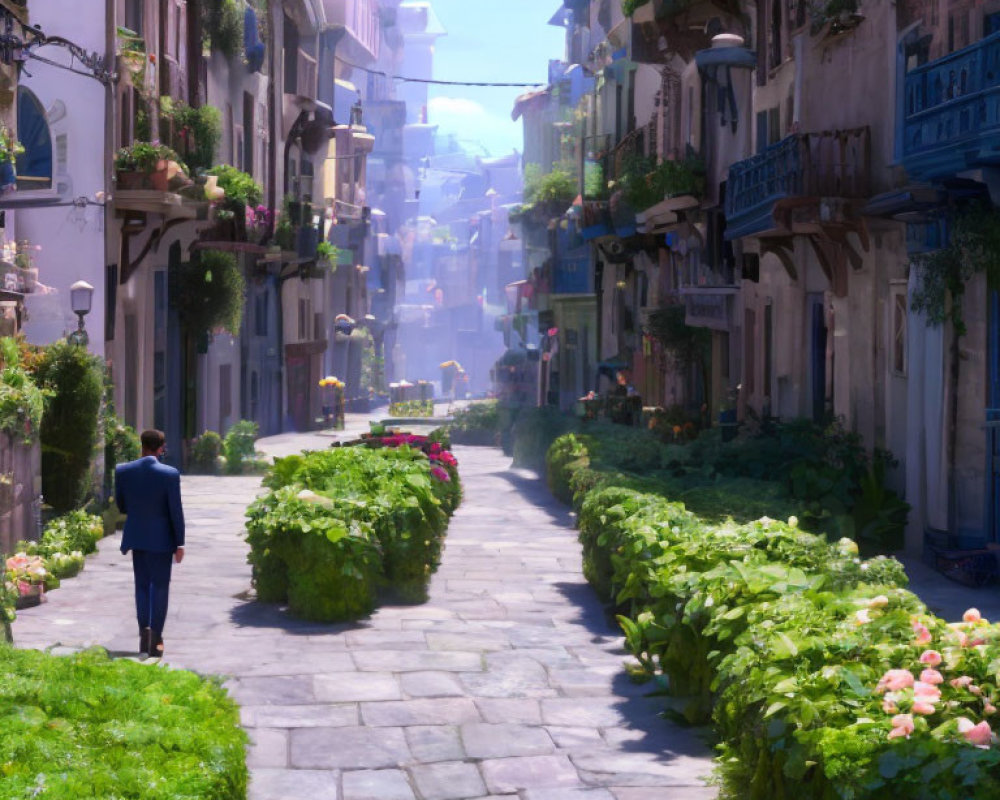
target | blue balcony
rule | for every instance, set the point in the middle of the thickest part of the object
(798, 184)
(951, 112)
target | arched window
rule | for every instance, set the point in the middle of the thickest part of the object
(34, 165)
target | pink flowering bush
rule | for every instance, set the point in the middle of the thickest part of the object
(397, 497)
(824, 677)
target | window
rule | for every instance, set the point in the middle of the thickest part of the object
(133, 15)
(34, 165)
(225, 392)
(260, 315)
(897, 330)
(248, 133)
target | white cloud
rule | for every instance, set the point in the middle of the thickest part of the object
(471, 123)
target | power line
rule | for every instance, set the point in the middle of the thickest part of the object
(437, 82)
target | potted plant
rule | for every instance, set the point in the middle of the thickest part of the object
(10, 149)
(147, 165)
(132, 51)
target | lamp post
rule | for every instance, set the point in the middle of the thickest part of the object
(81, 294)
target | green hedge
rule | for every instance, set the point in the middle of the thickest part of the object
(340, 525)
(476, 424)
(74, 380)
(86, 726)
(782, 638)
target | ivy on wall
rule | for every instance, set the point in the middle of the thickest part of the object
(973, 248)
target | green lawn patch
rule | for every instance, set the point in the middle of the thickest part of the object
(85, 726)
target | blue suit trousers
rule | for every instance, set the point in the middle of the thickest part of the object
(152, 588)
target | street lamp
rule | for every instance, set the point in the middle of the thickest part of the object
(81, 294)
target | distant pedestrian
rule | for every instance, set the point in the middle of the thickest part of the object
(149, 493)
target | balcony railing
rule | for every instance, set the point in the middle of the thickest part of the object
(952, 112)
(806, 165)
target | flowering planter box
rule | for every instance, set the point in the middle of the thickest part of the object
(29, 595)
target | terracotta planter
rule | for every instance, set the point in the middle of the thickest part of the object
(159, 181)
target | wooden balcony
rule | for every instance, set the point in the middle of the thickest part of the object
(951, 112)
(800, 185)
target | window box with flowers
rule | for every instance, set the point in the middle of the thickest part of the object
(149, 165)
(10, 149)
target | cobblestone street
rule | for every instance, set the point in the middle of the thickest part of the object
(507, 683)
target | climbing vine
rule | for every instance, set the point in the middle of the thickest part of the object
(973, 248)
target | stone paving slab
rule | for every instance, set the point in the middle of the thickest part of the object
(507, 683)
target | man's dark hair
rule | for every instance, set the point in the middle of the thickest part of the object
(152, 440)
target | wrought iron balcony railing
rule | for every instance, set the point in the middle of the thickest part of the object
(951, 112)
(832, 164)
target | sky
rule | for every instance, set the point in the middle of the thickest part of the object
(490, 40)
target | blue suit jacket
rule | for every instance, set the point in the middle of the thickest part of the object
(150, 494)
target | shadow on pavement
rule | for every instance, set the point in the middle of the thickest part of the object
(642, 704)
(253, 614)
(534, 489)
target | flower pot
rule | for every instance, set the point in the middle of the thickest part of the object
(159, 181)
(130, 180)
(29, 595)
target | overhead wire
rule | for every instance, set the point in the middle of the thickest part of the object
(436, 82)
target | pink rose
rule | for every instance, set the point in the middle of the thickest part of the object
(989, 709)
(441, 474)
(902, 725)
(930, 657)
(931, 676)
(972, 615)
(923, 707)
(961, 683)
(923, 634)
(926, 691)
(980, 734)
(894, 680)
(889, 706)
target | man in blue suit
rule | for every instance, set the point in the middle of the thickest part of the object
(149, 493)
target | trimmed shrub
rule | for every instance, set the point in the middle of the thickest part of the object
(339, 524)
(789, 643)
(476, 424)
(238, 446)
(76, 531)
(86, 726)
(74, 380)
(205, 452)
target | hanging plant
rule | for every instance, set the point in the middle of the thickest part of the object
(208, 292)
(222, 24)
(973, 248)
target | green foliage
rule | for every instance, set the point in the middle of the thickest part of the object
(412, 408)
(327, 252)
(534, 430)
(477, 423)
(779, 636)
(144, 156)
(205, 452)
(556, 188)
(364, 517)
(22, 402)
(973, 248)
(240, 186)
(76, 531)
(195, 133)
(86, 726)
(121, 441)
(629, 6)
(238, 445)
(209, 292)
(222, 27)
(74, 381)
(645, 183)
(687, 345)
